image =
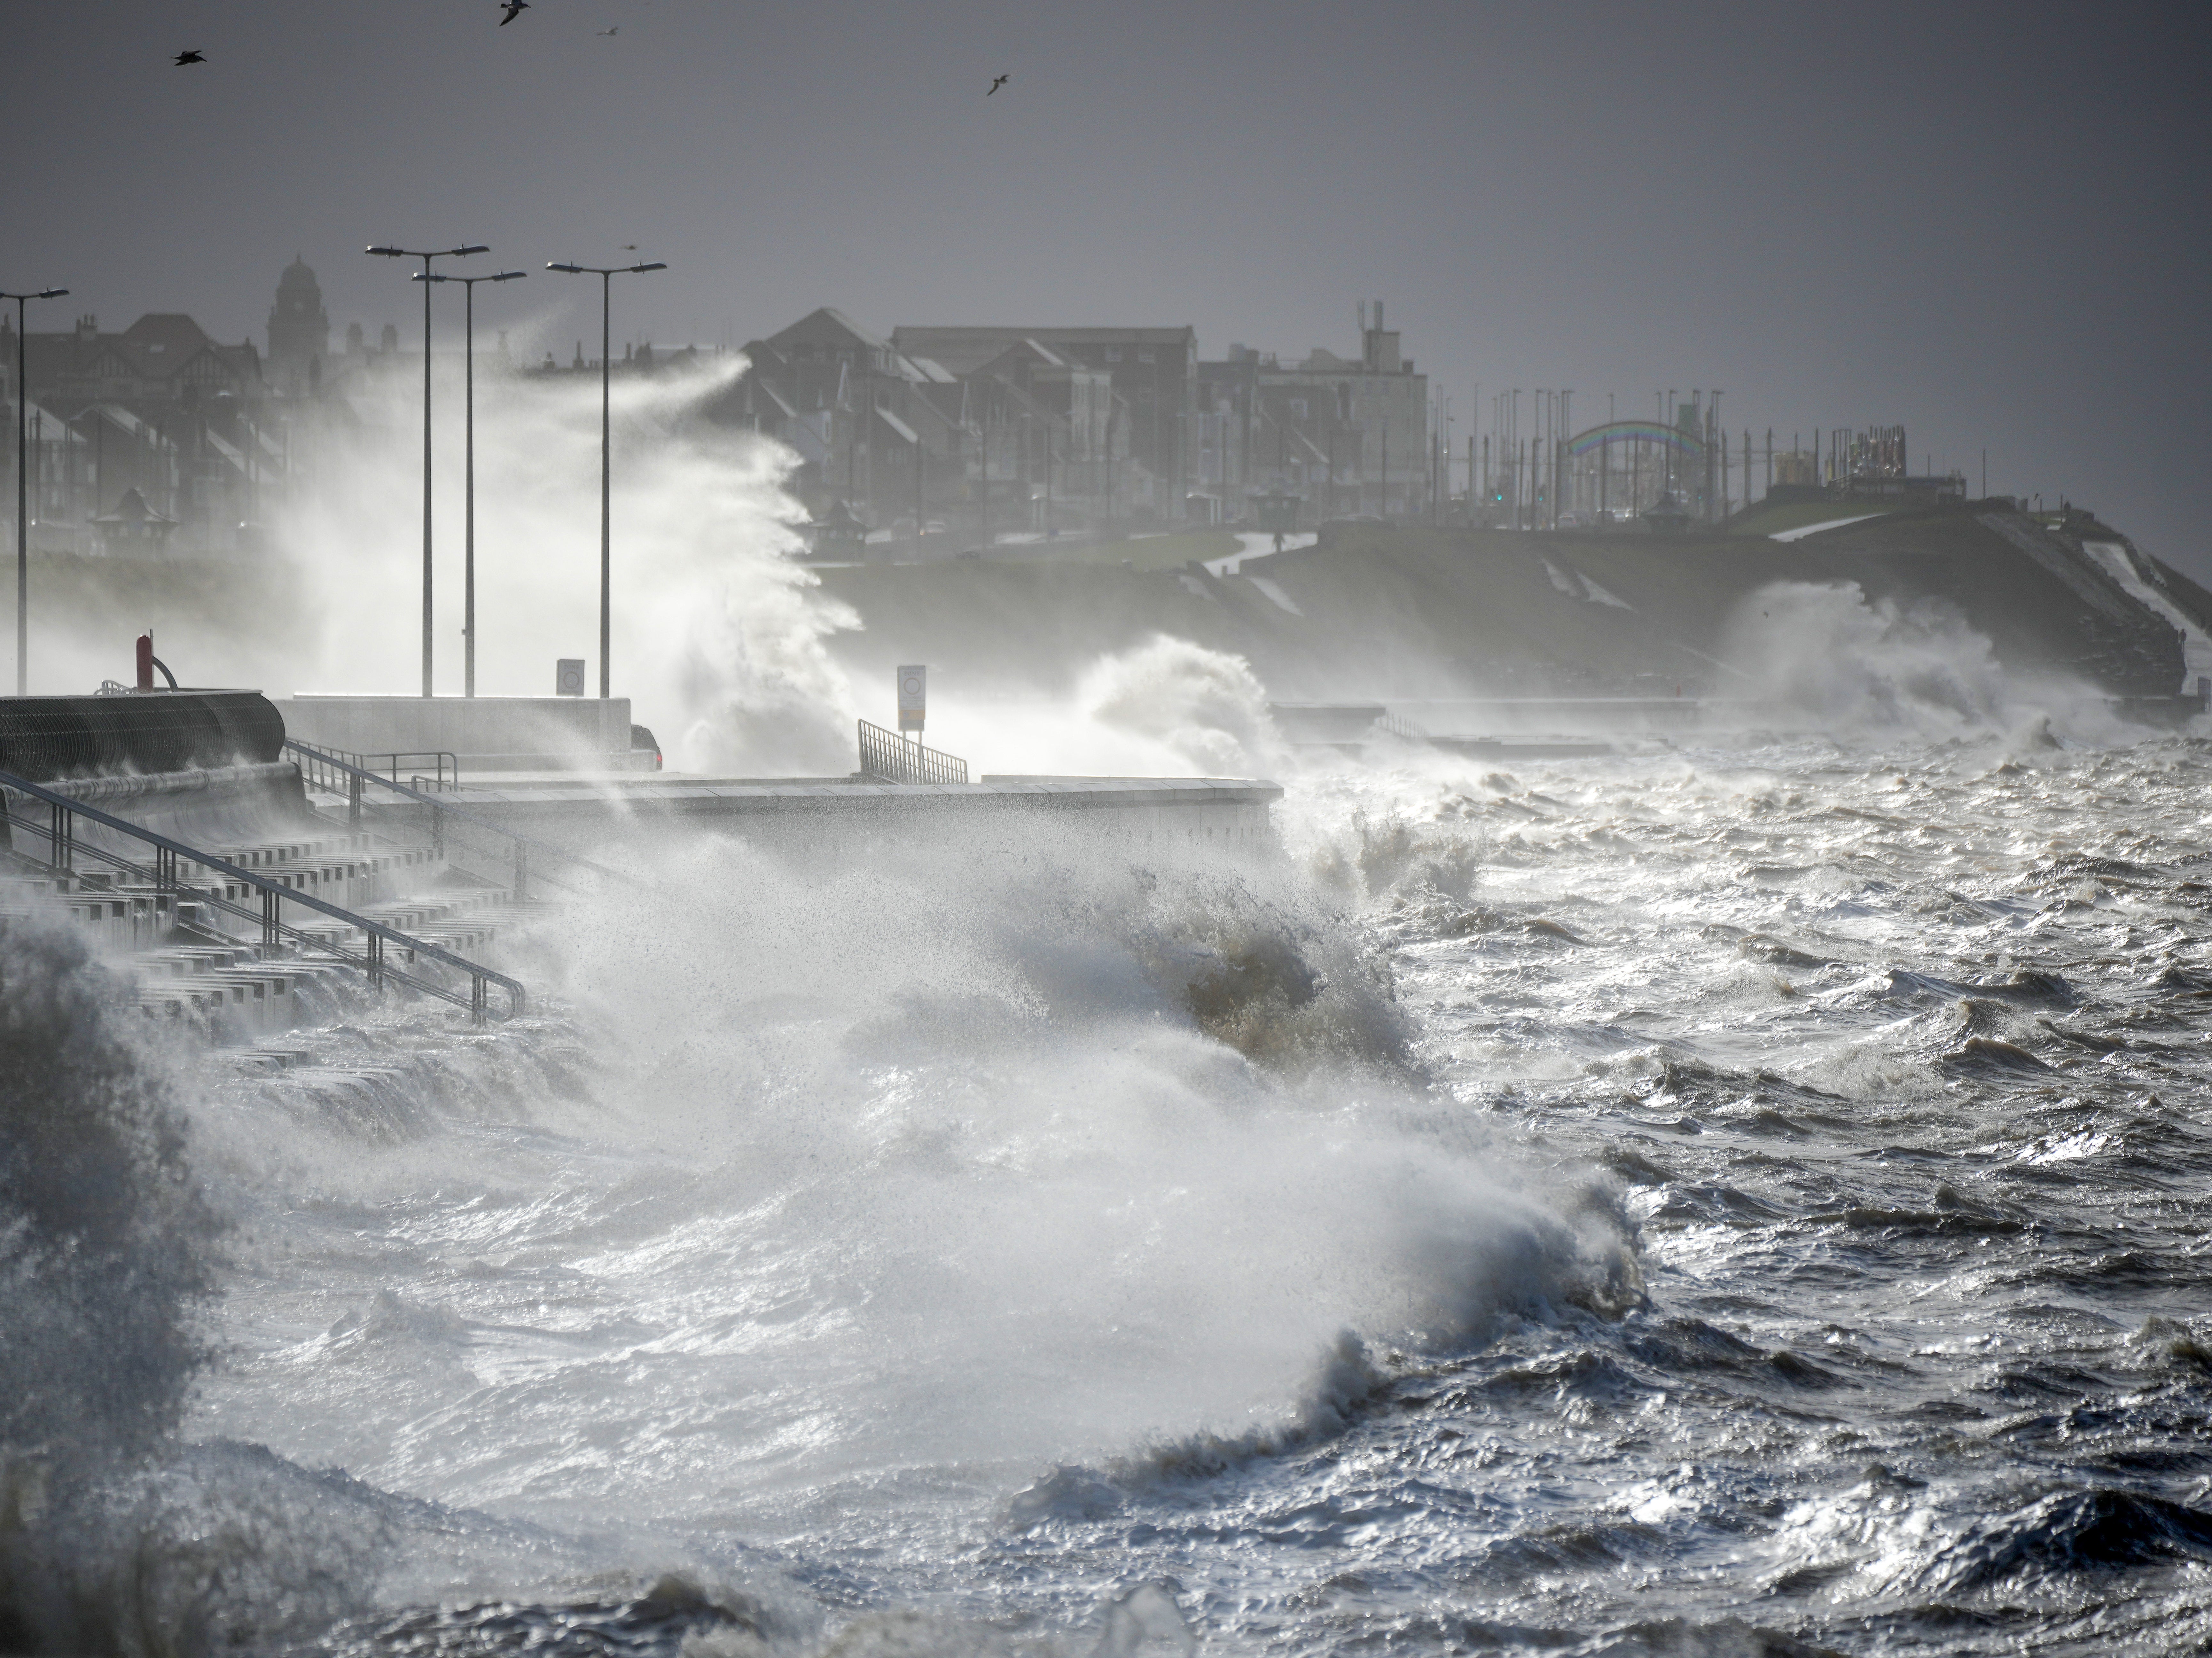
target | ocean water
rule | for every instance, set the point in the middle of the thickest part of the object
(1730, 1200)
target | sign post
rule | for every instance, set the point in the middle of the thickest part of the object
(912, 698)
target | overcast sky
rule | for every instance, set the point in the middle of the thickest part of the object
(1986, 221)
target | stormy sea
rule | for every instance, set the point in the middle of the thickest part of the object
(1719, 1198)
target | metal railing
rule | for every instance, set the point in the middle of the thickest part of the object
(323, 767)
(1398, 725)
(336, 773)
(888, 757)
(60, 833)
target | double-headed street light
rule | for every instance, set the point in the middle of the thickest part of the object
(606, 273)
(23, 498)
(469, 377)
(425, 256)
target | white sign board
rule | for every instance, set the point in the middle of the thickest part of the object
(913, 696)
(568, 677)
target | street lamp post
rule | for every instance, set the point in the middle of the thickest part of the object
(468, 468)
(23, 497)
(426, 256)
(606, 273)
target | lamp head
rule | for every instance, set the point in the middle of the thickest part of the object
(387, 252)
(428, 277)
(655, 265)
(505, 276)
(51, 294)
(455, 252)
(572, 270)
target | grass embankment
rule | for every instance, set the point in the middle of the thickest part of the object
(1765, 520)
(1376, 611)
(1167, 552)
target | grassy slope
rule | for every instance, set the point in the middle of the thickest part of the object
(1408, 612)
(1765, 520)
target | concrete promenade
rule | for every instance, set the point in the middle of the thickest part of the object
(830, 814)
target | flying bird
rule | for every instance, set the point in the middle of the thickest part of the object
(995, 85)
(185, 57)
(617, 29)
(511, 10)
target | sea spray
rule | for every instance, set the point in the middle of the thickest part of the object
(1824, 650)
(106, 1264)
(718, 629)
(105, 1239)
(915, 1163)
(905, 1173)
(1205, 706)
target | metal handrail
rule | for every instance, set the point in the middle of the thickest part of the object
(442, 761)
(889, 758)
(371, 961)
(1399, 725)
(313, 760)
(163, 875)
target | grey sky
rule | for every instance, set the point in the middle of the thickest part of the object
(1986, 221)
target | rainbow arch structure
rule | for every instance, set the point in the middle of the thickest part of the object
(1636, 431)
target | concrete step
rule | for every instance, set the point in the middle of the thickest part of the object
(348, 869)
(205, 967)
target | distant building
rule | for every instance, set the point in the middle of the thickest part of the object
(999, 429)
(1324, 430)
(299, 331)
(1151, 375)
(1026, 440)
(130, 529)
(1220, 473)
(871, 428)
(163, 359)
(1048, 426)
(1876, 465)
(1870, 465)
(1794, 469)
(162, 408)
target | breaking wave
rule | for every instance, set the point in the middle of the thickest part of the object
(1206, 707)
(106, 1260)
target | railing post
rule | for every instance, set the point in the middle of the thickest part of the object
(63, 831)
(477, 998)
(270, 902)
(376, 960)
(353, 799)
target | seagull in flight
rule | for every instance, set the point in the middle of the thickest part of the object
(185, 57)
(995, 85)
(511, 10)
(617, 29)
